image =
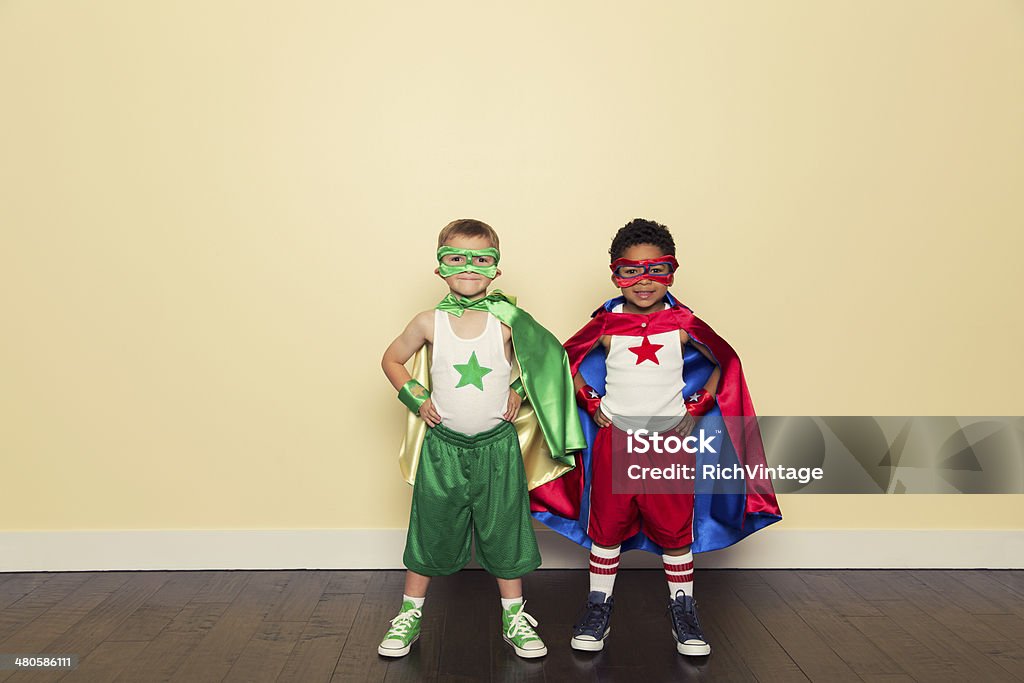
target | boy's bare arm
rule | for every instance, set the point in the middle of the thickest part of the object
(711, 386)
(577, 382)
(418, 332)
(413, 337)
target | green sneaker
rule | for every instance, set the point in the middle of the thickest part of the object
(517, 630)
(404, 631)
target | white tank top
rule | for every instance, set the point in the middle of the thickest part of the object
(469, 378)
(644, 379)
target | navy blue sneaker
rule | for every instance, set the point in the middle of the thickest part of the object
(686, 628)
(590, 630)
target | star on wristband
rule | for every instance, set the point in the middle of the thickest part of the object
(413, 395)
(700, 402)
(588, 399)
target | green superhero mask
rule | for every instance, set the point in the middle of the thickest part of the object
(452, 261)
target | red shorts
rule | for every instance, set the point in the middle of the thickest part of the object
(666, 518)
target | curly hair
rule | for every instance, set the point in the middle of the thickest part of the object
(641, 231)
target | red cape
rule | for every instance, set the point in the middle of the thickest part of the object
(563, 496)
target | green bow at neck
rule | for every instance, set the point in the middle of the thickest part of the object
(543, 366)
(457, 305)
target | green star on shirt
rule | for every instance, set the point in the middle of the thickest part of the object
(471, 372)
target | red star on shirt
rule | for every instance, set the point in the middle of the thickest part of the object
(646, 351)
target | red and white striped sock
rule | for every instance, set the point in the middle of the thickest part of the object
(604, 564)
(679, 572)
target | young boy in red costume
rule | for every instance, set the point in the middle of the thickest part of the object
(646, 354)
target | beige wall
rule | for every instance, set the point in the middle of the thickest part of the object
(215, 216)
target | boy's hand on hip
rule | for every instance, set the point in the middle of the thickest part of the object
(429, 413)
(601, 419)
(685, 426)
(512, 410)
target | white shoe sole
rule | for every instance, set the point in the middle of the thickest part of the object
(526, 654)
(590, 645)
(691, 650)
(396, 652)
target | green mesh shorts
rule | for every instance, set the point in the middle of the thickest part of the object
(466, 486)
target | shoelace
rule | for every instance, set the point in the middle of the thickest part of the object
(522, 623)
(402, 623)
(594, 614)
(681, 617)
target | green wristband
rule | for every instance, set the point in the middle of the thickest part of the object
(517, 386)
(413, 395)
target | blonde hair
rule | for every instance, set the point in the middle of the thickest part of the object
(468, 227)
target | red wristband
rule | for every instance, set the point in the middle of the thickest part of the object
(700, 402)
(588, 399)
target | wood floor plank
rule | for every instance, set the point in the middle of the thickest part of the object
(759, 649)
(869, 584)
(17, 586)
(349, 581)
(955, 590)
(470, 636)
(220, 647)
(223, 586)
(387, 582)
(1006, 654)
(1009, 625)
(966, 659)
(266, 652)
(315, 656)
(51, 623)
(104, 619)
(725, 662)
(165, 654)
(1013, 578)
(106, 662)
(941, 606)
(835, 593)
(732, 577)
(905, 649)
(359, 660)
(300, 597)
(516, 670)
(859, 653)
(89, 632)
(35, 602)
(813, 655)
(160, 609)
(985, 584)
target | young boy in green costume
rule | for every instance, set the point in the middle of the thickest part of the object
(473, 449)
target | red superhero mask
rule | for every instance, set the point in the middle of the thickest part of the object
(627, 272)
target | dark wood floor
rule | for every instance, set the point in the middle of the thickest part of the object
(868, 625)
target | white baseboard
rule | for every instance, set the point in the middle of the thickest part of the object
(22, 551)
